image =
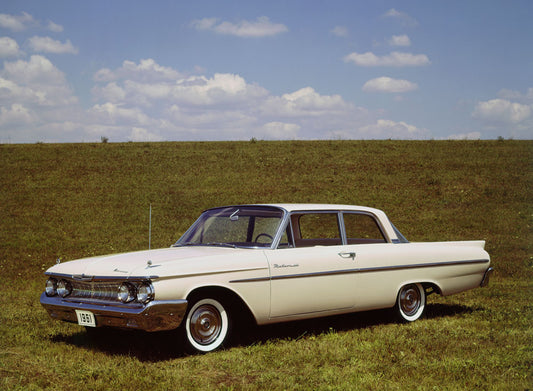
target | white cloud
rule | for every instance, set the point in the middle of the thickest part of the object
(465, 136)
(340, 31)
(49, 45)
(149, 102)
(400, 40)
(384, 128)
(9, 47)
(394, 59)
(387, 84)
(501, 110)
(261, 27)
(112, 114)
(56, 28)
(16, 23)
(146, 71)
(517, 96)
(37, 71)
(15, 114)
(403, 17)
(512, 116)
(279, 130)
(142, 134)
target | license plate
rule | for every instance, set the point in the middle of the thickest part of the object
(86, 318)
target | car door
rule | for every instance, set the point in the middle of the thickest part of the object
(315, 273)
(375, 282)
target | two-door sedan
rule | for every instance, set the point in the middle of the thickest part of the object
(274, 263)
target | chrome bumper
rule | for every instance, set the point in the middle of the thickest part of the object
(154, 316)
(486, 277)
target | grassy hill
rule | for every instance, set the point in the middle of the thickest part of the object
(77, 200)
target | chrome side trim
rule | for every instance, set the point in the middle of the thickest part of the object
(365, 270)
(213, 273)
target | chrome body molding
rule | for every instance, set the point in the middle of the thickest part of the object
(154, 316)
(367, 270)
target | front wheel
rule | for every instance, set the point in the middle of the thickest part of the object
(411, 302)
(207, 326)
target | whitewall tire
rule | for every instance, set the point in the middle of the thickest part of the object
(207, 326)
(411, 302)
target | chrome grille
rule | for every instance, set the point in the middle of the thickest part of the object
(106, 291)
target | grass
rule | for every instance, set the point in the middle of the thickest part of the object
(77, 200)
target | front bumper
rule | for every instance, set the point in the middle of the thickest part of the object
(154, 316)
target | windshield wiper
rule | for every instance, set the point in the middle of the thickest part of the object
(184, 244)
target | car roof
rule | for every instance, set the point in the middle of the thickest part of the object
(318, 207)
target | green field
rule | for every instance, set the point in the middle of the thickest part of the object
(75, 200)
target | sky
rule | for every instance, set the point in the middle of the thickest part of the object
(84, 71)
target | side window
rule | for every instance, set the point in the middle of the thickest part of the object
(362, 229)
(316, 229)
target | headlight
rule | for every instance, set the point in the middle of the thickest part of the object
(126, 292)
(64, 288)
(51, 287)
(145, 292)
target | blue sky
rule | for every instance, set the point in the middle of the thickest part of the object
(76, 71)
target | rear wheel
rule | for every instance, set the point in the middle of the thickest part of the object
(411, 302)
(207, 325)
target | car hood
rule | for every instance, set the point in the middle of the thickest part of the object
(147, 263)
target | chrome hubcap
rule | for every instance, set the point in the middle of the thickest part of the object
(205, 324)
(410, 300)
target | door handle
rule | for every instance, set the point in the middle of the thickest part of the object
(347, 255)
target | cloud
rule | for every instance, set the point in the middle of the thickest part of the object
(501, 110)
(517, 96)
(403, 17)
(465, 136)
(400, 40)
(394, 59)
(34, 83)
(512, 116)
(145, 101)
(261, 27)
(384, 128)
(56, 28)
(387, 84)
(16, 23)
(15, 114)
(146, 71)
(9, 47)
(49, 45)
(339, 31)
(142, 134)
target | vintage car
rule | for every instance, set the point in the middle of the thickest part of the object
(274, 263)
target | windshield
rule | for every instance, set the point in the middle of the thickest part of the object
(236, 226)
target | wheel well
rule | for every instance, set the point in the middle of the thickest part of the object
(430, 288)
(236, 305)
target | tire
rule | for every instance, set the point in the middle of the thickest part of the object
(411, 302)
(207, 326)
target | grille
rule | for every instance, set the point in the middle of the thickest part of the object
(106, 291)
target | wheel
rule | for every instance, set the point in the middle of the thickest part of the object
(411, 302)
(207, 326)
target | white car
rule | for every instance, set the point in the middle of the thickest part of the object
(275, 263)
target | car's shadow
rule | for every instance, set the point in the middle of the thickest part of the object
(160, 346)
